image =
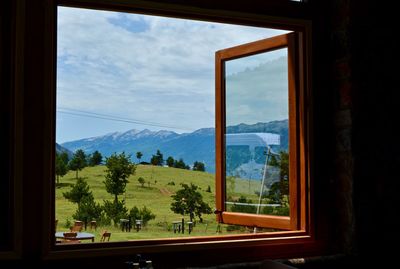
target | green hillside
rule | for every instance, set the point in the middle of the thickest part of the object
(156, 196)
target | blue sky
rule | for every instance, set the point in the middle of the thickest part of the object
(117, 72)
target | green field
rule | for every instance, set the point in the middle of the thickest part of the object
(156, 196)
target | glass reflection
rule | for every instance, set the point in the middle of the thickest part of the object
(256, 134)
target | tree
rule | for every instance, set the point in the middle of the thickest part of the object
(88, 210)
(157, 159)
(78, 161)
(61, 165)
(141, 181)
(143, 214)
(280, 189)
(119, 168)
(115, 210)
(180, 164)
(139, 156)
(199, 166)
(189, 200)
(170, 161)
(242, 207)
(78, 192)
(95, 159)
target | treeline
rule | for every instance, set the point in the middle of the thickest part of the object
(78, 161)
(81, 160)
(158, 159)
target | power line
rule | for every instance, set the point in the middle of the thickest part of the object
(81, 113)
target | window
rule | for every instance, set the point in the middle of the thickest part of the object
(33, 149)
(144, 95)
(277, 242)
(270, 152)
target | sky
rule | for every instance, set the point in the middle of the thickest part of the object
(118, 71)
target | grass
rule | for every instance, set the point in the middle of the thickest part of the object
(155, 194)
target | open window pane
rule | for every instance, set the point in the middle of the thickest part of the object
(256, 138)
(257, 134)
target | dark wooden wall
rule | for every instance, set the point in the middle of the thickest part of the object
(356, 137)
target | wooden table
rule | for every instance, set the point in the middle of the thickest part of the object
(79, 236)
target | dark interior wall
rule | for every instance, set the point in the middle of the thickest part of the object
(365, 81)
(5, 87)
(376, 147)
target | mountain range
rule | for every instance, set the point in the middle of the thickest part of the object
(196, 146)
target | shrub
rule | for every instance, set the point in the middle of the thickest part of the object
(143, 214)
(115, 210)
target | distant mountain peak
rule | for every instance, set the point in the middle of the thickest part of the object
(195, 146)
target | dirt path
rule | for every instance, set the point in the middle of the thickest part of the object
(165, 191)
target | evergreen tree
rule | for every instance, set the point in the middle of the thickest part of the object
(139, 156)
(115, 210)
(79, 190)
(170, 161)
(119, 168)
(157, 159)
(61, 165)
(199, 166)
(78, 161)
(143, 214)
(180, 164)
(88, 210)
(95, 159)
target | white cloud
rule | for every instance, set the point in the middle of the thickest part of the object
(144, 67)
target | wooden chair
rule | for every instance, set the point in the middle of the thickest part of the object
(70, 237)
(105, 235)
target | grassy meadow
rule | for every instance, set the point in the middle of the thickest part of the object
(155, 194)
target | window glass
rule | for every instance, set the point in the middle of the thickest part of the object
(256, 139)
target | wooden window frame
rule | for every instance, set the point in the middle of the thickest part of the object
(297, 152)
(36, 132)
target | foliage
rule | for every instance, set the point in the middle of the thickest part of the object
(199, 166)
(78, 161)
(277, 211)
(61, 165)
(95, 158)
(79, 190)
(119, 168)
(157, 159)
(170, 161)
(181, 164)
(139, 156)
(68, 223)
(189, 200)
(244, 208)
(143, 214)
(171, 183)
(88, 210)
(141, 181)
(208, 189)
(157, 198)
(280, 189)
(115, 210)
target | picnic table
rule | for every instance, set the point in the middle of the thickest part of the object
(79, 236)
